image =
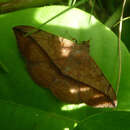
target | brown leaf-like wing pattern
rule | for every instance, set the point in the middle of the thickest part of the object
(65, 68)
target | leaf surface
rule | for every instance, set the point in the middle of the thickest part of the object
(109, 120)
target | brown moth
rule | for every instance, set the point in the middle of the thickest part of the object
(65, 68)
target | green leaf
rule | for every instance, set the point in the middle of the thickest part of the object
(17, 86)
(126, 32)
(108, 121)
(19, 117)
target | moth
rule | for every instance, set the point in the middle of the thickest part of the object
(64, 67)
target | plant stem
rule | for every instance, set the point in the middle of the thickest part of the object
(124, 19)
(119, 48)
